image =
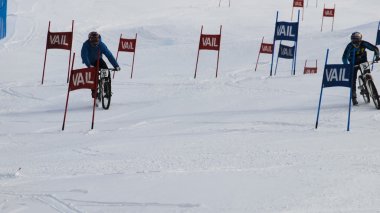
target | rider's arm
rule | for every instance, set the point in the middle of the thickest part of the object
(371, 47)
(109, 55)
(84, 55)
(346, 54)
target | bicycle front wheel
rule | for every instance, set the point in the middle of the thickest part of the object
(373, 91)
(106, 94)
(363, 90)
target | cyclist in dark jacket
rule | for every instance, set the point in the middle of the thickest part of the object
(359, 46)
(90, 53)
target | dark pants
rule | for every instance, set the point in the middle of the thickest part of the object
(102, 65)
(354, 77)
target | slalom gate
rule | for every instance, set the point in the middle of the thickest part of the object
(127, 45)
(86, 78)
(298, 3)
(265, 48)
(316, 3)
(286, 31)
(209, 42)
(377, 42)
(337, 75)
(229, 3)
(59, 40)
(310, 70)
(328, 12)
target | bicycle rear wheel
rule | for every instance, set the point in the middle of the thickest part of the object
(364, 90)
(106, 93)
(374, 94)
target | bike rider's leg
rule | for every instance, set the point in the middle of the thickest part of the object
(102, 65)
(353, 88)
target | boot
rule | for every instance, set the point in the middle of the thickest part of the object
(354, 101)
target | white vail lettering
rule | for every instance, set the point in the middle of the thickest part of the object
(267, 49)
(329, 12)
(283, 30)
(56, 39)
(209, 42)
(88, 78)
(78, 79)
(335, 75)
(287, 52)
(127, 45)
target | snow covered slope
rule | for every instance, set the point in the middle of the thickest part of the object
(244, 142)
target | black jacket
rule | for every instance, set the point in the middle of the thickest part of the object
(361, 54)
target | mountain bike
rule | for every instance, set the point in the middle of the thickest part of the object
(104, 87)
(366, 85)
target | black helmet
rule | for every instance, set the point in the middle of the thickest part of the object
(356, 38)
(94, 38)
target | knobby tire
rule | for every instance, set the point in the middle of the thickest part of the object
(365, 95)
(106, 93)
(374, 94)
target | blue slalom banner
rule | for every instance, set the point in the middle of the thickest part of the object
(3, 18)
(286, 52)
(286, 31)
(337, 75)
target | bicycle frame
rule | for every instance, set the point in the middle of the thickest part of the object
(104, 87)
(367, 86)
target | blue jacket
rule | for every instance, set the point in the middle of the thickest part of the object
(89, 54)
(360, 53)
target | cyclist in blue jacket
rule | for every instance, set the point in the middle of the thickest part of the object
(90, 53)
(359, 46)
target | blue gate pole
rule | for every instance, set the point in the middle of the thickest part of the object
(295, 51)
(352, 79)
(275, 70)
(320, 96)
(3, 18)
(274, 45)
(377, 34)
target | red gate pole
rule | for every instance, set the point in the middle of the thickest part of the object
(259, 53)
(323, 15)
(96, 83)
(332, 27)
(43, 71)
(134, 53)
(196, 66)
(117, 55)
(316, 64)
(220, 42)
(72, 39)
(292, 12)
(304, 67)
(67, 98)
(303, 10)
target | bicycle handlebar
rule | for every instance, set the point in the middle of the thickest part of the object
(110, 69)
(369, 63)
